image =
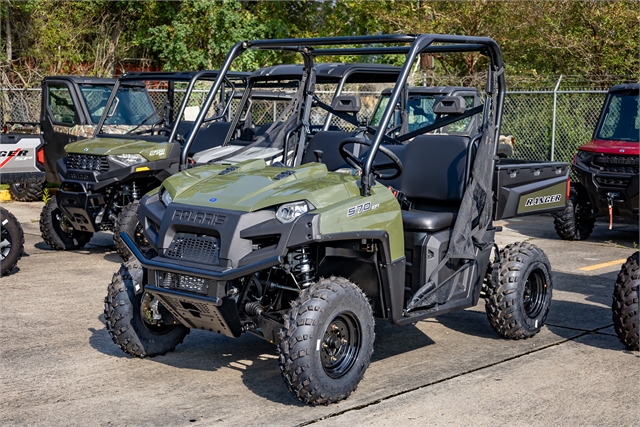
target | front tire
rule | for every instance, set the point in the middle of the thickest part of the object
(29, 190)
(327, 341)
(123, 315)
(576, 221)
(518, 298)
(625, 303)
(128, 222)
(11, 241)
(56, 230)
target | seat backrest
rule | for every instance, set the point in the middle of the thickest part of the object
(209, 136)
(328, 142)
(434, 168)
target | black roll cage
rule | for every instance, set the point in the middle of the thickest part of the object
(132, 79)
(413, 46)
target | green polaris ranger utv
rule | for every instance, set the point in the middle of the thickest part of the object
(307, 256)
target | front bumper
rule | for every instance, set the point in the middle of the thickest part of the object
(74, 200)
(621, 188)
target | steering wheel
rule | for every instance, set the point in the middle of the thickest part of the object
(162, 130)
(354, 161)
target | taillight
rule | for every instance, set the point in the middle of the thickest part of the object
(568, 188)
(40, 156)
(5, 129)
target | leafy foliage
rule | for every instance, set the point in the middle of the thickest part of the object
(538, 37)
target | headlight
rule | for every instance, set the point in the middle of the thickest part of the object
(127, 159)
(165, 197)
(584, 155)
(290, 211)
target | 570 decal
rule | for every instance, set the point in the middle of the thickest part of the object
(355, 210)
(544, 200)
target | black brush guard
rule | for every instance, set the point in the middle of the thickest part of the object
(212, 312)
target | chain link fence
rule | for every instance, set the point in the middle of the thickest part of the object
(546, 125)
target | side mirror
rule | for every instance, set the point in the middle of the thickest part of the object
(346, 104)
(449, 105)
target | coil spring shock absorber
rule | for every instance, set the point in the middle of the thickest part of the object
(302, 268)
(135, 192)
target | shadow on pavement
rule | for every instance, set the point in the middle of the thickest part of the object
(255, 358)
(624, 233)
(582, 308)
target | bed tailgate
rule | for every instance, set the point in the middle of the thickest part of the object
(525, 188)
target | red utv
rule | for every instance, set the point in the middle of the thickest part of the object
(606, 168)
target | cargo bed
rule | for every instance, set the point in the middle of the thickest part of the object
(522, 187)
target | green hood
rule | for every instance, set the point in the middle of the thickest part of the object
(111, 146)
(254, 185)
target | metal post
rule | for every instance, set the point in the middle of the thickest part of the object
(553, 129)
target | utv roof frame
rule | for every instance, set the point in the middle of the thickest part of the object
(408, 44)
(180, 76)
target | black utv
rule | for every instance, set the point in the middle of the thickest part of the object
(306, 256)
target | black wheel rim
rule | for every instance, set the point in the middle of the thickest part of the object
(158, 329)
(61, 224)
(341, 345)
(6, 241)
(535, 293)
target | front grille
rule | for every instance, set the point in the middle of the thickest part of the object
(613, 182)
(181, 282)
(627, 165)
(87, 162)
(195, 248)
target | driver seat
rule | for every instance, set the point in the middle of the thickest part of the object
(434, 179)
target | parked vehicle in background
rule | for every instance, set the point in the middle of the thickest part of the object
(70, 109)
(606, 169)
(11, 241)
(304, 256)
(136, 145)
(626, 320)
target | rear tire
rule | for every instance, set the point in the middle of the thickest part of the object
(56, 230)
(11, 241)
(327, 341)
(518, 298)
(575, 222)
(625, 303)
(123, 316)
(128, 222)
(29, 190)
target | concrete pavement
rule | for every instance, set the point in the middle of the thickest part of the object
(58, 365)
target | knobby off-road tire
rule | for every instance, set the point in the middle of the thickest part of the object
(575, 221)
(56, 230)
(29, 190)
(327, 341)
(123, 316)
(127, 221)
(11, 241)
(518, 298)
(625, 303)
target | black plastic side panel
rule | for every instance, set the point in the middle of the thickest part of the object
(525, 188)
